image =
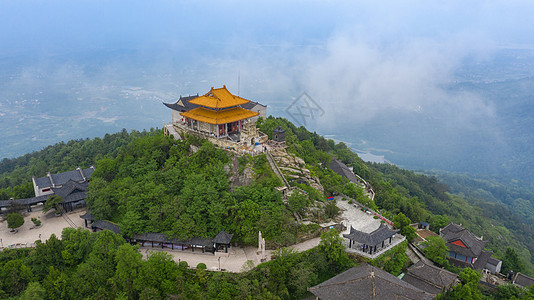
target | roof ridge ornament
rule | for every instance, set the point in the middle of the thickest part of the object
(51, 180)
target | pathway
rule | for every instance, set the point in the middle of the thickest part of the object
(276, 170)
(50, 224)
(235, 261)
(170, 129)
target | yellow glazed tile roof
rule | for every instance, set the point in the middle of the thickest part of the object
(219, 98)
(219, 116)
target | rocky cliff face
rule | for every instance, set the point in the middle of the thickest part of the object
(294, 168)
(237, 178)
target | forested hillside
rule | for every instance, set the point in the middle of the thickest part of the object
(84, 265)
(515, 195)
(181, 188)
(499, 225)
(147, 182)
(16, 173)
(420, 197)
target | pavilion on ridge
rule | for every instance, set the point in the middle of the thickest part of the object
(219, 116)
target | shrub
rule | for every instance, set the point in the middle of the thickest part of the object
(36, 222)
(201, 266)
(350, 201)
(394, 260)
(331, 209)
(183, 265)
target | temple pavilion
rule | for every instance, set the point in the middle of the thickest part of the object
(219, 115)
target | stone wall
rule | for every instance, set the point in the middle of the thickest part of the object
(176, 117)
(204, 126)
(222, 142)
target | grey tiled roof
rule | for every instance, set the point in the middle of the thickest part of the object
(88, 216)
(250, 105)
(453, 232)
(223, 238)
(25, 201)
(101, 224)
(43, 182)
(72, 191)
(182, 104)
(161, 238)
(88, 172)
(429, 278)
(367, 282)
(524, 280)
(341, 169)
(278, 129)
(373, 238)
(153, 237)
(62, 178)
(206, 242)
(493, 261)
(482, 260)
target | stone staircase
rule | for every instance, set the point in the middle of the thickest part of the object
(276, 170)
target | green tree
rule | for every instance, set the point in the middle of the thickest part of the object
(47, 254)
(469, 275)
(36, 222)
(438, 221)
(355, 192)
(511, 261)
(400, 220)
(92, 277)
(297, 201)
(14, 221)
(300, 278)
(15, 276)
(78, 244)
(331, 245)
(159, 272)
(331, 209)
(129, 263)
(467, 288)
(106, 244)
(57, 284)
(34, 291)
(509, 291)
(436, 250)
(131, 223)
(53, 202)
(409, 232)
(394, 260)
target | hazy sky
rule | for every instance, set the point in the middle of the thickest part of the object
(386, 53)
(241, 26)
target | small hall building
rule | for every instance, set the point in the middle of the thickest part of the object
(378, 239)
(467, 249)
